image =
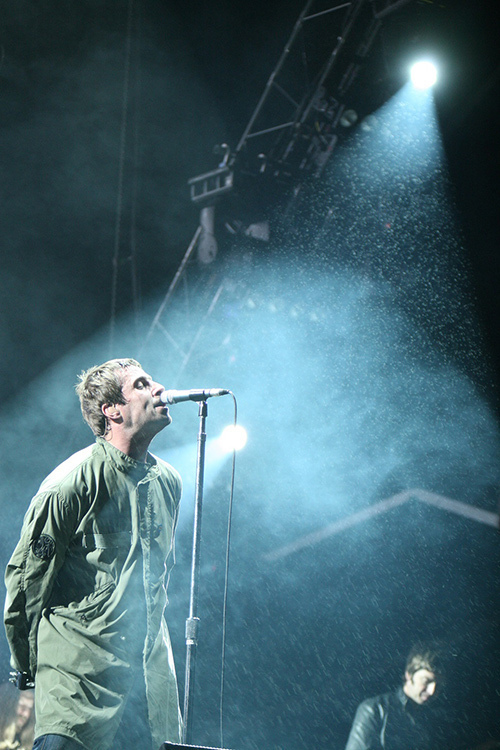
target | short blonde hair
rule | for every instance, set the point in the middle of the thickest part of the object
(100, 385)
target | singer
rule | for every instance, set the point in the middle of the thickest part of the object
(86, 582)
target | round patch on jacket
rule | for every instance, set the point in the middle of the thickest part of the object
(44, 547)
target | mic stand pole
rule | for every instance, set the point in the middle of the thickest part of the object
(193, 620)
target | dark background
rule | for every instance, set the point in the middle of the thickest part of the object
(363, 350)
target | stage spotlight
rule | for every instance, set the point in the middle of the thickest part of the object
(234, 437)
(423, 74)
(349, 118)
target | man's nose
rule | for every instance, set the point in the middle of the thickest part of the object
(157, 388)
(431, 688)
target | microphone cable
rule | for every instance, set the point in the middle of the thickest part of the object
(226, 580)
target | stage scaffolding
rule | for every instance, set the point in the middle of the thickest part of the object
(318, 90)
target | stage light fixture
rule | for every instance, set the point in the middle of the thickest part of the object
(233, 437)
(423, 74)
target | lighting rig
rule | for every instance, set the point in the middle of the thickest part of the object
(309, 103)
(301, 114)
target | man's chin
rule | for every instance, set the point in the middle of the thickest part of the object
(165, 420)
(164, 413)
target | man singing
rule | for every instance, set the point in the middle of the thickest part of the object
(86, 584)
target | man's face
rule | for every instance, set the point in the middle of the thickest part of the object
(143, 414)
(420, 686)
(23, 710)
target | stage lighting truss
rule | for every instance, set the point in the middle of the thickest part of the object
(295, 125)
(306, 106)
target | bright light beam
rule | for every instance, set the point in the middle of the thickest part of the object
(423, 74)
(233, 437)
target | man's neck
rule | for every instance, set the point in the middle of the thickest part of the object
(129, 445)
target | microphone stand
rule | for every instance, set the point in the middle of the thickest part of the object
(193, 620)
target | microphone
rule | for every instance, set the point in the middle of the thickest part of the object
(174, 397)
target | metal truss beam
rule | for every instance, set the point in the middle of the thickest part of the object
(290, 134)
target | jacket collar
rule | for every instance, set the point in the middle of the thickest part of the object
(402, 697)
(125, 463)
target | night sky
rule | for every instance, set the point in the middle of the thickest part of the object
(361, 341)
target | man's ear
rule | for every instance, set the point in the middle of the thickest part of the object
(110, 411)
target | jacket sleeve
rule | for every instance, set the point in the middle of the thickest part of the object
(31, 572)
(366, 728)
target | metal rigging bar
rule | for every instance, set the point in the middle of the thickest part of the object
(248, 132)
(294, 127)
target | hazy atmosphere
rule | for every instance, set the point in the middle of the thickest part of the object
(359, 336)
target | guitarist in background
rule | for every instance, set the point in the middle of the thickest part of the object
(397, 720)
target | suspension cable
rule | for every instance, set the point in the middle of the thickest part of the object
(121, 170)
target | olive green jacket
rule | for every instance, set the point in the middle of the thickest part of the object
(86, 591)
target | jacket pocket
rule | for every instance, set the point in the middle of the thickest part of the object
(90, 607)
(107, 541)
